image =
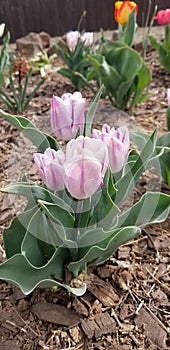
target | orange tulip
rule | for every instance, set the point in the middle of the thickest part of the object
(122, 10)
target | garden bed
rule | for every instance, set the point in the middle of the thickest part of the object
(126, 305)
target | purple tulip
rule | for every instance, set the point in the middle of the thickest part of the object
(85, 166)
(118, 145)
(87, 38)
(50, 168)
(72, 39)
(68, 115)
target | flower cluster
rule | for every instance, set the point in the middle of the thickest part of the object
(81, 169)
(73, 37)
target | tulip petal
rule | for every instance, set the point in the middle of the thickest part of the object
(83, 177)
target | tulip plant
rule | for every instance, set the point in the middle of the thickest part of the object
(123, 72)
(74, 51)
(163, 48)
(125, 16)
(72, 218)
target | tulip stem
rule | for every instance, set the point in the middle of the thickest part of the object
(76, 227)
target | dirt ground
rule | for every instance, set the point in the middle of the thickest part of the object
(126, 305)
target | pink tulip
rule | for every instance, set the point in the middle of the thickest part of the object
(168, 96)
(163, 17)
(72, 39)
(68, 115)
(50, 168)
(118, 145)
(85, 166)
(87, 38)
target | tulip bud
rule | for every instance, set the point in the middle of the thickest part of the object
(163, 17)
(118, 145)
(2, 27)
(122, 11)
(72, 39)
(68, 115)
(85, 166)
(50, 168)
(87, 38)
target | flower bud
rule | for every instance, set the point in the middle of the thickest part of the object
(123, 9)
(118, 145)
(87, 38)
(68, 115)
(163, 17)
(2, 27)
(85, 166)
(72, 39)
(50, 168)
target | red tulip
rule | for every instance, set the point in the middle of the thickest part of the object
(163, 17)
(123, 9)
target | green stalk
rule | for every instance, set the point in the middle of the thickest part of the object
(32, 94)
(74, 251)
(168, 118)
(145, 39)
(10, 105)
(28, 76)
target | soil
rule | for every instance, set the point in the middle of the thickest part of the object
(126, 305)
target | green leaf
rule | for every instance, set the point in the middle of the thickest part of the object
(156, 44)
(104, 212)
(152, 208)
(14, 234)
(36, 192)
(126, 183)
(130, 28)
(56, 212)
(20, 272)
(91, 112)
(99, 253)
(38, 138)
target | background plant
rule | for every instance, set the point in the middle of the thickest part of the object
(58, 232)
(42, 64)
(163, 48)
(74, 52)
(125, 16)
(123, 72)
(19, 78)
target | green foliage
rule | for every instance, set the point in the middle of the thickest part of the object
(163, 48)
(20, 101)
(77, 62)
(164, 143)
(123, 72)
(44, 239)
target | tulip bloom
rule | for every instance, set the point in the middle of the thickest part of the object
(72, 38)
(50, 168)
(2, 27)
(87, 38)
(163, 17)
(122, 11)
(68, 115)
(85, 166)
(118, 145)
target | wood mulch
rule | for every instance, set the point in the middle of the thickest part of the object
(126, 305)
